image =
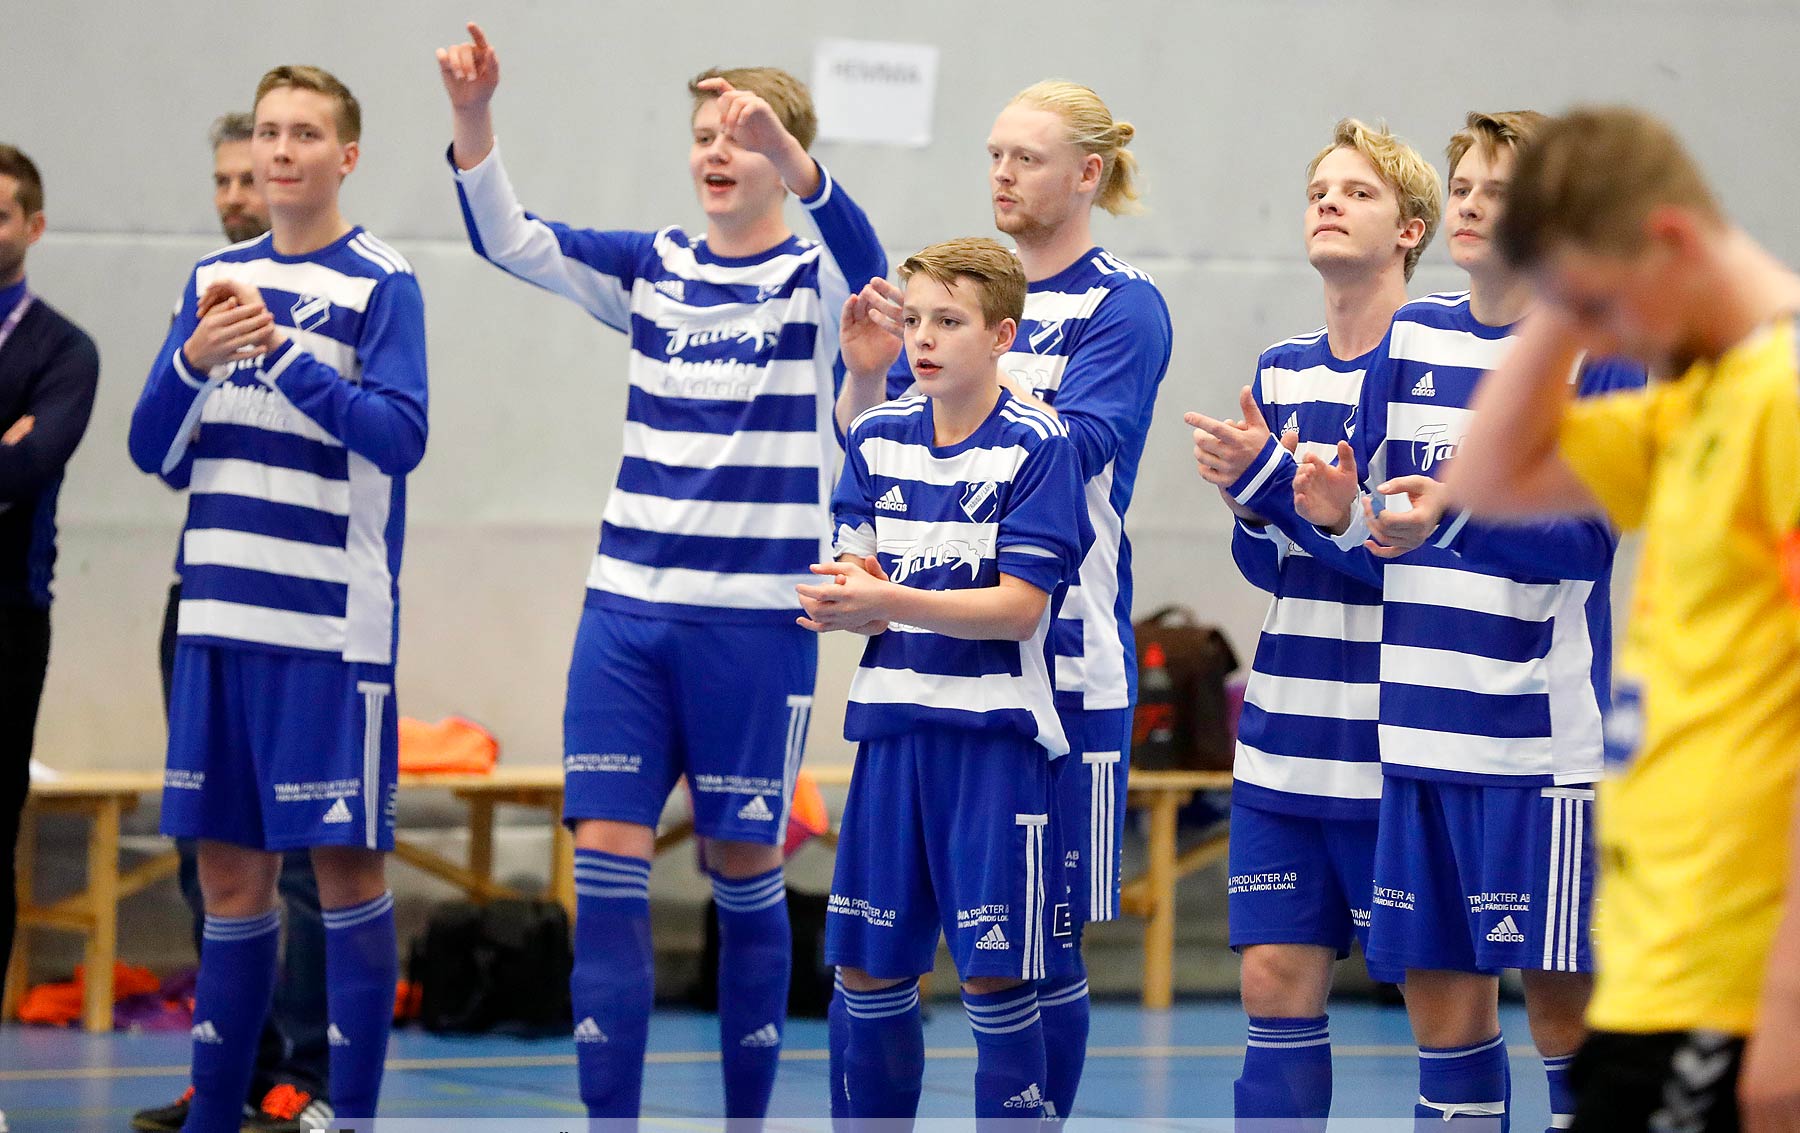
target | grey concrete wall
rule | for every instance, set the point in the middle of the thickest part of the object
(1231, 98)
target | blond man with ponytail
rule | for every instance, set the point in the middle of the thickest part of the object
(1093, 346)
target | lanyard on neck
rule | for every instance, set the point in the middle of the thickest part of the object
(12, 321)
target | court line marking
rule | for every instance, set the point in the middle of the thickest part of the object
(690, 1057)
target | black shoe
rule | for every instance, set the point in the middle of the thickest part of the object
(165, 1119)
(289, 1109)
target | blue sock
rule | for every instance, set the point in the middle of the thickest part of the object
(1470, 1084)
(1562, 1095)
(231, 999)
(1287, 1071)
(361, 965)
(1063, 1004)
(613, 984)
(756, 960)
(837, 1039)
(1009, 1053)
(884, 1057)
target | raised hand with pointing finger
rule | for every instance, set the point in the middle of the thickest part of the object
(471, 73)
(1224, 450)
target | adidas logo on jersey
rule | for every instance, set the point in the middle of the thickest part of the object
(1506, 932)
(994, 940)
(756, 810)
(335, 1037)
(1029, 1098)
(1292, 424)
(673, 288)
(588, 1031)
(891, 500)
(339, 812)
(764, 1036)
(205, 1032)
(1424, 387)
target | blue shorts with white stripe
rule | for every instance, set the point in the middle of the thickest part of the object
(948, 831)
(279, 751)
(652, 699)
(1476, 878)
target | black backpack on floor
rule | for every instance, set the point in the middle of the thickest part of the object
(500, 967)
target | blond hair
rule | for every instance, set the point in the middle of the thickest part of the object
(998, 276)
(1401, 167)
(1093, 131)
(786, 96)
(349, 111)
(1591, 178)
(1488, 132)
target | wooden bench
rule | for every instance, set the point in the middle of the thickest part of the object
(105, 797)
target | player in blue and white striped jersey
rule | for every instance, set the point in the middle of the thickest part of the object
(1308, 771)
(1495, 645)
(289, 399)
(1094, 343)
(688, 660)
(959, 523)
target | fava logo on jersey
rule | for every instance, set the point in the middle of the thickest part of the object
(310, 311)
(1435, 445)
(981, 501)
(1506, 932)
(754, 335)
(953, 553)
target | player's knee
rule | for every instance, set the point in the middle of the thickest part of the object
(855, 979)
(236, 881)
(1555, 1008)
(1286, 981)
(348, 875)
(738, 860)
(1452, 1008)
(989, 985)
(621, 839)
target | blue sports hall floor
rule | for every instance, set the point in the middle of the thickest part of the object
(1142, 1066)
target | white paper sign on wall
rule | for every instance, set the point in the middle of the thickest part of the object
(865, 91)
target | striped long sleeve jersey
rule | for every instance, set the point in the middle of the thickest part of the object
(1496, 639)
(721, 502)
(1004, 501)
(295, 461)
(1307, 741)
(1095, 343)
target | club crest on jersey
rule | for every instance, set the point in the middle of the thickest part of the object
(1435, 445)
(310, 311)
(767, 292)
(953, 553)
(1046, 337)
(981, 501)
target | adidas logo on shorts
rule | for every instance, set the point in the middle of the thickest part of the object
(205, 1032)
(1029, 1098)
(891, 500)
(588, 1031)
(1425, 387)
(339, 812)
(335, 1037)
(994, 940)
(764, 1036)
(1506, 932)
(756, 810)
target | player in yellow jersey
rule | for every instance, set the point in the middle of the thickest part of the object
(1696, 1016)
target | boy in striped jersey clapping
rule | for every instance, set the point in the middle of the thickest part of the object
(969, 503)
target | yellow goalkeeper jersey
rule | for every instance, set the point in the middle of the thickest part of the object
(1694, 824)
